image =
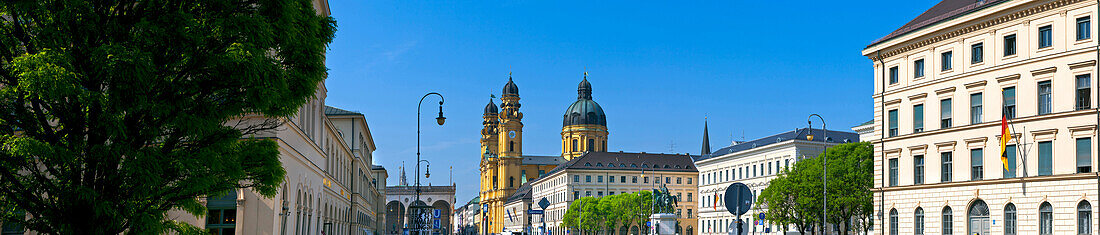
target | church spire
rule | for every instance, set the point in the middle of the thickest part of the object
(401, 180)
(706, 139)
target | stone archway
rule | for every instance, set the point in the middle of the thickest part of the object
(444, 216)
(394, 217)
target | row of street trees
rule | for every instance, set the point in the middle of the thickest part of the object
(591, 214)
(794, 198)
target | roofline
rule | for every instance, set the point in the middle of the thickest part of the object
(890, 40)
(977, 9)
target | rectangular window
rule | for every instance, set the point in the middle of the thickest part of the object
(1084, 28)
(588, 178)
(1084, 155)
(1046, 158)
(587, 193)
(576, 178)
(1010, 155)
(599, 194)
(221, 221)
(679, 180)
(918, 68)
(622, 179)
(645, 180)
(1045, 37)
(918, 169)
(945, 61)
(689, 180)
(634, 179)
(945, 167)
(894, 75)
(975, 108)
(918, 118)
(976, 53)
(576, 194)
(769, 168)
(1010, 44)
(1044, 97)
(893, 172)
(893, 122)
(1084, 87)
(976, 166)
(1008, 95)
(945, 113)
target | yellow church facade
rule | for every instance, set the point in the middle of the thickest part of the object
(504, 167)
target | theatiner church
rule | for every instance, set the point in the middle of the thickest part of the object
(504, 167)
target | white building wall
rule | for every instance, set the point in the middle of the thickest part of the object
(1058, 64)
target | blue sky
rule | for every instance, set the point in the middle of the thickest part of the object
(657, 68)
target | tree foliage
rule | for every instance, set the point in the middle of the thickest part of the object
(592, 214)
(794, 198)
(114, 112)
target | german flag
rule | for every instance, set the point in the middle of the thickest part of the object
(1006, 136)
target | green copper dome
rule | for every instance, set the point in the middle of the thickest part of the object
(584, 111)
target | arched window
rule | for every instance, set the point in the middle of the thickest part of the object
(1046, 219)
(604, 148)
(511, 182)
(221, 213)
(1084, 218)
(978, 215)
(893, 222)
(591, 145)
(511, 146)
(1010, 219)
(918, 222)
(574, 145)
(947, 225)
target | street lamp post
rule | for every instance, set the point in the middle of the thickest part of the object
(439, 120)
(824, 166)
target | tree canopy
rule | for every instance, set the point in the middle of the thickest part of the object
(114, 112)
(608, 213)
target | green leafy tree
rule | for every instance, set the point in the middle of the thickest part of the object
(581, 215)
(591, 218)
(613, 208)
(114, 112)
(795, 197)
(640, 208)
(850, 180)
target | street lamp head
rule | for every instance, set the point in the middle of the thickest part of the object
(427, 171)
(810, 137)
(440, 119)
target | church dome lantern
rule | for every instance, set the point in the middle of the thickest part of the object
(584, 111)
(491, 108)
(510, 88)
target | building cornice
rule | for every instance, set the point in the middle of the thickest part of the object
(1081, 176)
(914, 44)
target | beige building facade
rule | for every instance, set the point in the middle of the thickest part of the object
(942, 84)
(596, 174)
(754, 163)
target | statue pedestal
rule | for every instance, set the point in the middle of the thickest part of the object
(662, 224)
